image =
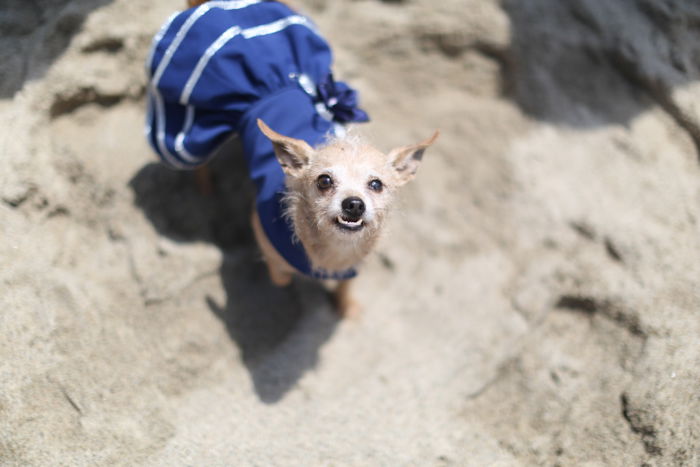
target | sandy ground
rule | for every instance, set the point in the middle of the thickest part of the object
(535, 302)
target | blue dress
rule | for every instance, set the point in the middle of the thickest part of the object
(217, 68)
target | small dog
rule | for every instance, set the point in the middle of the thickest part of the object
(235, 66)
(336, 200)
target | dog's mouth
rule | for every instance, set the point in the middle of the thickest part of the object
(352, 225)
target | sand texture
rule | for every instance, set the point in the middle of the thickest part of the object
(536, 300)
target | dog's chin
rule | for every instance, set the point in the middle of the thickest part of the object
(349, 226)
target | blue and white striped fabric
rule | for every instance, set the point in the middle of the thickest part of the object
(217, 68)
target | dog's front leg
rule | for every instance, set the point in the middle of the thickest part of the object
(280, 272)
(347, 306)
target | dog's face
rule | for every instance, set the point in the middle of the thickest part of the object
(341, 191)
(345, 188)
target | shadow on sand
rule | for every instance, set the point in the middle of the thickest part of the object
(591, 64)
(35, 33)
(278, 330)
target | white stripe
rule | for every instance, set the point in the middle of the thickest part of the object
(149, 66)
(256, 31)
(160, 130)
(229, 34)
(160, 134)
(198, 13)
(165, 61)
(226, 36)
(277, 26)
(220, 41)
(156, 39)
(149, 115)
(179, 37)
(160, 107)
(180, 139)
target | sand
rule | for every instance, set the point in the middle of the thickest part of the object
(534, 302)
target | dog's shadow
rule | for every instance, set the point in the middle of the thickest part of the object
(279, 330)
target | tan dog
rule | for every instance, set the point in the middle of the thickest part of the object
(337, 199)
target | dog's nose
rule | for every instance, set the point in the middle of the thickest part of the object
(353, 207)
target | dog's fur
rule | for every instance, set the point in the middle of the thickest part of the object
(332, 243)
(316, 214)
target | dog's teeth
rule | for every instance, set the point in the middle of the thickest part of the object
(349, 223)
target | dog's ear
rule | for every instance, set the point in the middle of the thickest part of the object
(406, 159)
(293, 154)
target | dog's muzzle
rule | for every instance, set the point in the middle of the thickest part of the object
(351, 216)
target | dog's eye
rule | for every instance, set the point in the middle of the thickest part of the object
(376, 185)
(324, 182)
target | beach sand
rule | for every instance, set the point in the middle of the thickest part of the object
(535, 300)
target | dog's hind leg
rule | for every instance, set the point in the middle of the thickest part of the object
(205, 185)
